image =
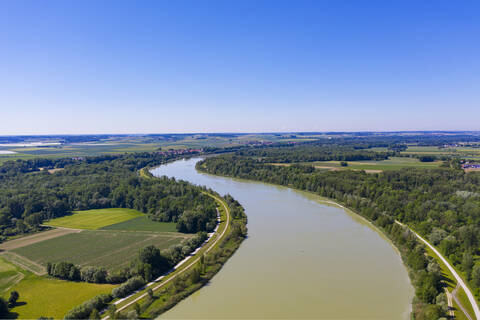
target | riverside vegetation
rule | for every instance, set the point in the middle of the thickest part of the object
(443, 205)
(31, 195)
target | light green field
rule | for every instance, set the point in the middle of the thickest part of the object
(42, 296)
(394, 163)
(463, 152)
(94, 219)
(110, 249)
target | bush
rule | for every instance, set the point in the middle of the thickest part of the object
(84, 310)
(12, 301)
(94, 275)
(3, 307)
(128, 287)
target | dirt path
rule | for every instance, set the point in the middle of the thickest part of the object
(195, 259)
(459, 279)
(451, 313)
(34, 238)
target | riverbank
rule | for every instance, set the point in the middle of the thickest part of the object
(297, 261)
(424, 305)
(192, 273)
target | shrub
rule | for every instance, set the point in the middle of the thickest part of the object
(128, 287)
(84, 310)
(94, 275)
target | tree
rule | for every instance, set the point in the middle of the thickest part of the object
(132, 315)
(112, 311)
(94, 314)
(12, 300)
(195, 275)
(150, 293)
(136, 306)
(467, 264)
(476, 275)
(3, 307)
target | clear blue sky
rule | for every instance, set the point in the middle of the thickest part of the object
(232, 66)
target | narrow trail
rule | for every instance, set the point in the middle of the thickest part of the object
(177, 272)
(451, 313)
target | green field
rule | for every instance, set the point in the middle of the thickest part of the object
(394, 163)
(143, 223)
(42, 296)
(462, 152)
(94, 219)
(37, 293)
(110, 249)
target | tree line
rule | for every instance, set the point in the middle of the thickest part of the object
(312, 152)
(149, 264)
(30, 194)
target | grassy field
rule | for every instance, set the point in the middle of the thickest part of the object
(143, 223)
(94, 219)
(42, 296)
(110, 249)
(394, 163)
(463, 152)
(37, 293)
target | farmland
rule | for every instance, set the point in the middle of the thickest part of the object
(111, 239)
(143, 223)
(94, 219)
(34, 301)
(110, 249)
(37, 294)
(394, 163)
(462, 152)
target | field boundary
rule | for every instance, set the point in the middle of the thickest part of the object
(24, 263)
(37, 237)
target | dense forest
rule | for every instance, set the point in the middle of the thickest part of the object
(313, 152)
(32, 191)
(442, 204)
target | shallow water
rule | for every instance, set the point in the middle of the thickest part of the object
(302, 259)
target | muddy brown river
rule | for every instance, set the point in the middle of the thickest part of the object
(303, 258)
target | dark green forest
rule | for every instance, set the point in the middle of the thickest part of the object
(313, 152)
(30, 194)
(442, 205)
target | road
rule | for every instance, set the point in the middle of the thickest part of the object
(195, 257)
(459, 279)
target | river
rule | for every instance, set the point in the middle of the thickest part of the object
(302, 259)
